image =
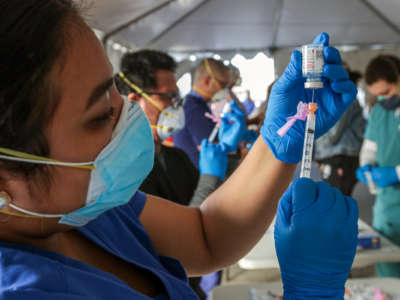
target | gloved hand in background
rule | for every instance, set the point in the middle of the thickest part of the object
(385, 176)
(360, 173)
(249, 136)
(315, 240)
(333, 99)
(233, 126)
(213, 159)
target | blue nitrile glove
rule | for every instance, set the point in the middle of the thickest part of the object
(213, 159)
(315, 240)
(249, 136)
(360, 173)
(233, 126)
(333, 100)
(384, 176)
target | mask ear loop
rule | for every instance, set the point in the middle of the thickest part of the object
(5, 200)
(141, 92)
(14, 155)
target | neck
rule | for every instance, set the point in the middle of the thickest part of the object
(35, 233)
(205, 95)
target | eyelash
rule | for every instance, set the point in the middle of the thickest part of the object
(105, 118)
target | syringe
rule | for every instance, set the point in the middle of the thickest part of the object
(308, 140)
(371, 184)
(312, 69)
(214, 132)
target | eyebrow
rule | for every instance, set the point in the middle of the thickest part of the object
(99, 91)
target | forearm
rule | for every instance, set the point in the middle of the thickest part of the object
(236, 215)
(207, 184)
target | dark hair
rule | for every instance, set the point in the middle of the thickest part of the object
(383, 67)
(32, 41)
(141, 67)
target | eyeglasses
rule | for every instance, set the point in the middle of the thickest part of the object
(175, 98)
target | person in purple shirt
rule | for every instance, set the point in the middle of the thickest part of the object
(210, 77)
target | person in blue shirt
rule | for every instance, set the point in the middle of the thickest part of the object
(248, 103)
(211, 76)
(73, 224)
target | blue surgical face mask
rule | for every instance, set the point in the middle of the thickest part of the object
(118, 170)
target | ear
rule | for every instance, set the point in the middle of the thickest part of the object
(207, 80)
(133, 97)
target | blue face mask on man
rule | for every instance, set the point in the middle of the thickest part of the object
(117, 172)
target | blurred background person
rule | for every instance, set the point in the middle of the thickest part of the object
(337, 152)
(211, 76)
(173, 177)
(380, 152)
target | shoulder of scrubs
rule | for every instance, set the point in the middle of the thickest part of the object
(33, 273)
(197, 126)
(197, 123)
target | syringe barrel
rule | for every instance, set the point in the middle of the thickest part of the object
(308, 147)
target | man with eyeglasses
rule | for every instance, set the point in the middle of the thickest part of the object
(147, 77)
(210, 77)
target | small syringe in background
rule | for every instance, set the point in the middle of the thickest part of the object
(313, 65)
(371, 184)
(214, 132)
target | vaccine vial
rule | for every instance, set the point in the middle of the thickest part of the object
(313, 65)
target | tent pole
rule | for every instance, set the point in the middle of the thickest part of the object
(275, 26)
(135, 20)
(381, 16)
(174, 24)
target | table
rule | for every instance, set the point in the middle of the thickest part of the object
(241, 291)
(263, 255)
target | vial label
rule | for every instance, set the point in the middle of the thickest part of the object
(313, 60)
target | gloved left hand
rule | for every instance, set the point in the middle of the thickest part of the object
(232, 128)
(249, 136)
(360, 173)
(213, 159)
(384, 176)
(333, 99)
(315, 240)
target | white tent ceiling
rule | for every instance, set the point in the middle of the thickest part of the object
(224, 26)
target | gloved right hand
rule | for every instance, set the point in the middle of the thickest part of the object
(333, 99)
(360, 173)
(213, 159)
(232, 128)
(315, 240)
(250, 136)
(385, 176)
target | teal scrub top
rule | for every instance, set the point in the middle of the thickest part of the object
(383, 128)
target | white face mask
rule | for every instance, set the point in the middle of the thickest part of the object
(221, 95)
(170, 122)
(171, 119)
(117, 171)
